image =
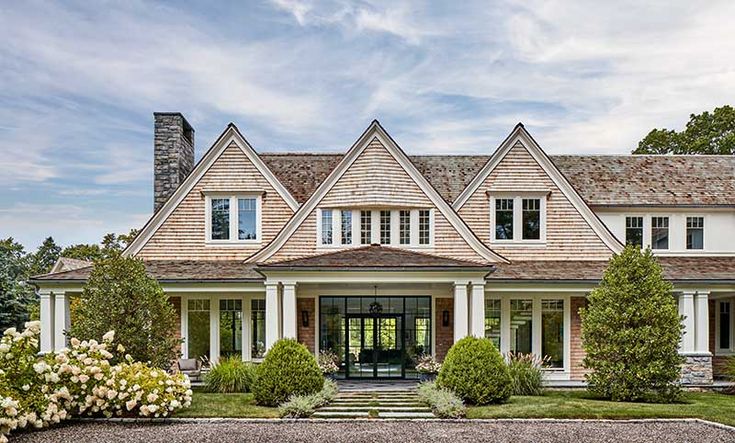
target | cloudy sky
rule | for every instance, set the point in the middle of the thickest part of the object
(79, 82)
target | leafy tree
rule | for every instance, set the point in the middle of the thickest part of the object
(120, 296)
(83, 252)
(45, 257)
(705, 133)
(15, 294)
(110, 243)
(631, 331)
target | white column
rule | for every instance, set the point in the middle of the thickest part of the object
(477, 310)
(61, 319)
(289, 310)
(702, 322)
(272, 314)
(686, 308)
(47, 322)
(461, 314)
(214, 330)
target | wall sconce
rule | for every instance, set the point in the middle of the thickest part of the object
(445, 318)
(305, 319)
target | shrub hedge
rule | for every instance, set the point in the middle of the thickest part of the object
(288, 369)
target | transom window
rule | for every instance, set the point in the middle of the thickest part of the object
(659, 232)
(233, 219)
(518, 219)
(634, 231)
(396, 227)
(695, 232)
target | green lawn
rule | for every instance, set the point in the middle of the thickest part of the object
(205, 404)
(579, 404)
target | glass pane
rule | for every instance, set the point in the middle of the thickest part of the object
(332, 327)
(326, 226)
(384, 227)
(424, 227)
(492, 321)
(230, 327)
(405, 227)
(521, 325)
(388, 352)
(634, 231)
(531, 219)
(366, 223)
(552, 332)
(346, 227)
(257, 319)
(659, 233)
(695, 232)
(246, 219)
(725, 325)
(504, 219)
(220, 218)
(198, 329)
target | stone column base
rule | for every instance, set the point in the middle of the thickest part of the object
(696, 370)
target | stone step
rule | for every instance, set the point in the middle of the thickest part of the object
(379, 408)
(406, 415)
(320, 414)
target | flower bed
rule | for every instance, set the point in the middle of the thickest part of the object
(79, 381)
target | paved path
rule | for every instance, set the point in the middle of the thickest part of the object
(376, 404)
(358, 431)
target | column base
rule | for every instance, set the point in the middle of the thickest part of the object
(696, 370)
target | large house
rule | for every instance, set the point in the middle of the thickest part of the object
(381, 256)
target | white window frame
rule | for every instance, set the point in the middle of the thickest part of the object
(375, 228)
(234, 214)
(518, 218)
(645, 229)
(718, 326)
(704, 232)
(671, 238)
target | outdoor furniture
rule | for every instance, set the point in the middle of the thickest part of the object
(192, 367)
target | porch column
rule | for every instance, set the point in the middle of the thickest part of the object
(61, 319)
(477, 310)
(686, 308)
(702, 322)
(289, 310)
(272, 314)
(47, 322)
(461, 314)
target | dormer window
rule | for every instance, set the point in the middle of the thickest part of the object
(233, 219)
(518, 218)
(391, 227)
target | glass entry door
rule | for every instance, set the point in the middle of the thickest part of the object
(375, 346)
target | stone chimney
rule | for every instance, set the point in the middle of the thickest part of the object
(173, 154)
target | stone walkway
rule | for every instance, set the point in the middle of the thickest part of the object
(375, 404)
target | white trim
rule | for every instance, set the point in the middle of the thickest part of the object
(230, 135)
(719, 350)
(375, 131)
(518, 198)
(520, 135)
(234, 216)
(669, 218)
(704, 232)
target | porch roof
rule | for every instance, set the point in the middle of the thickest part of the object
(376, 257)
(677, 269)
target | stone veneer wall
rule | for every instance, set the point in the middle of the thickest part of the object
(306, 335)
(576, 351)
(444, 334)
(697, 370)
(173, 154)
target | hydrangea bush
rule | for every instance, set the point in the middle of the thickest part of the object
(79, 381)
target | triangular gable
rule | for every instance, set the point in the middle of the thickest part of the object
(374, 133)
(520, 137)
(231, 136)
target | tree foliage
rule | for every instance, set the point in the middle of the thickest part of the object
(15, 294)
(705, 133)
(289, 369)
(631, 331)
(120, 296)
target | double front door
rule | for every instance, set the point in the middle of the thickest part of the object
(375, 346)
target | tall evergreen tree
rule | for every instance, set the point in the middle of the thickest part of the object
(45, 257)
(15, 294)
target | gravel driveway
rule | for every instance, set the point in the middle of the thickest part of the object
(384, 431)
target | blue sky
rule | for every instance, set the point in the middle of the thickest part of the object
(79, 82)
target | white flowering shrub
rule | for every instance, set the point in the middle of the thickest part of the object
(39, 391)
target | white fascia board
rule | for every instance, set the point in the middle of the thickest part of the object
(371, 277)
(230, 135)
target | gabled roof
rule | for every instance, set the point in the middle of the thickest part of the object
(520, 135)
(375, 257)
(376, 131)
(68, 264)
(229, 136)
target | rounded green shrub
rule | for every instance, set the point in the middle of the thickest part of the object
(288, 369)
(229, 375)
(476, 372)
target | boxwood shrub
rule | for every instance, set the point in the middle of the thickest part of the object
(288, 369)
(475, 371)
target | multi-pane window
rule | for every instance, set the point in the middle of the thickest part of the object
(384, 227)
(552, 332)
(220, 218)
(198, 328)
(659, 232)
(366, 225)
(521, 329)
(531, 219)
(634, 231)
(695, 232)
(230, 327)
(247, 218)
(424, 227)
(404, 226)
(504, 219)
(346, 227)
(492, 321)
(327, 226)
(257, 319)
(725, 324)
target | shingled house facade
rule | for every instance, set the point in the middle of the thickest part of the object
(381, 257)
